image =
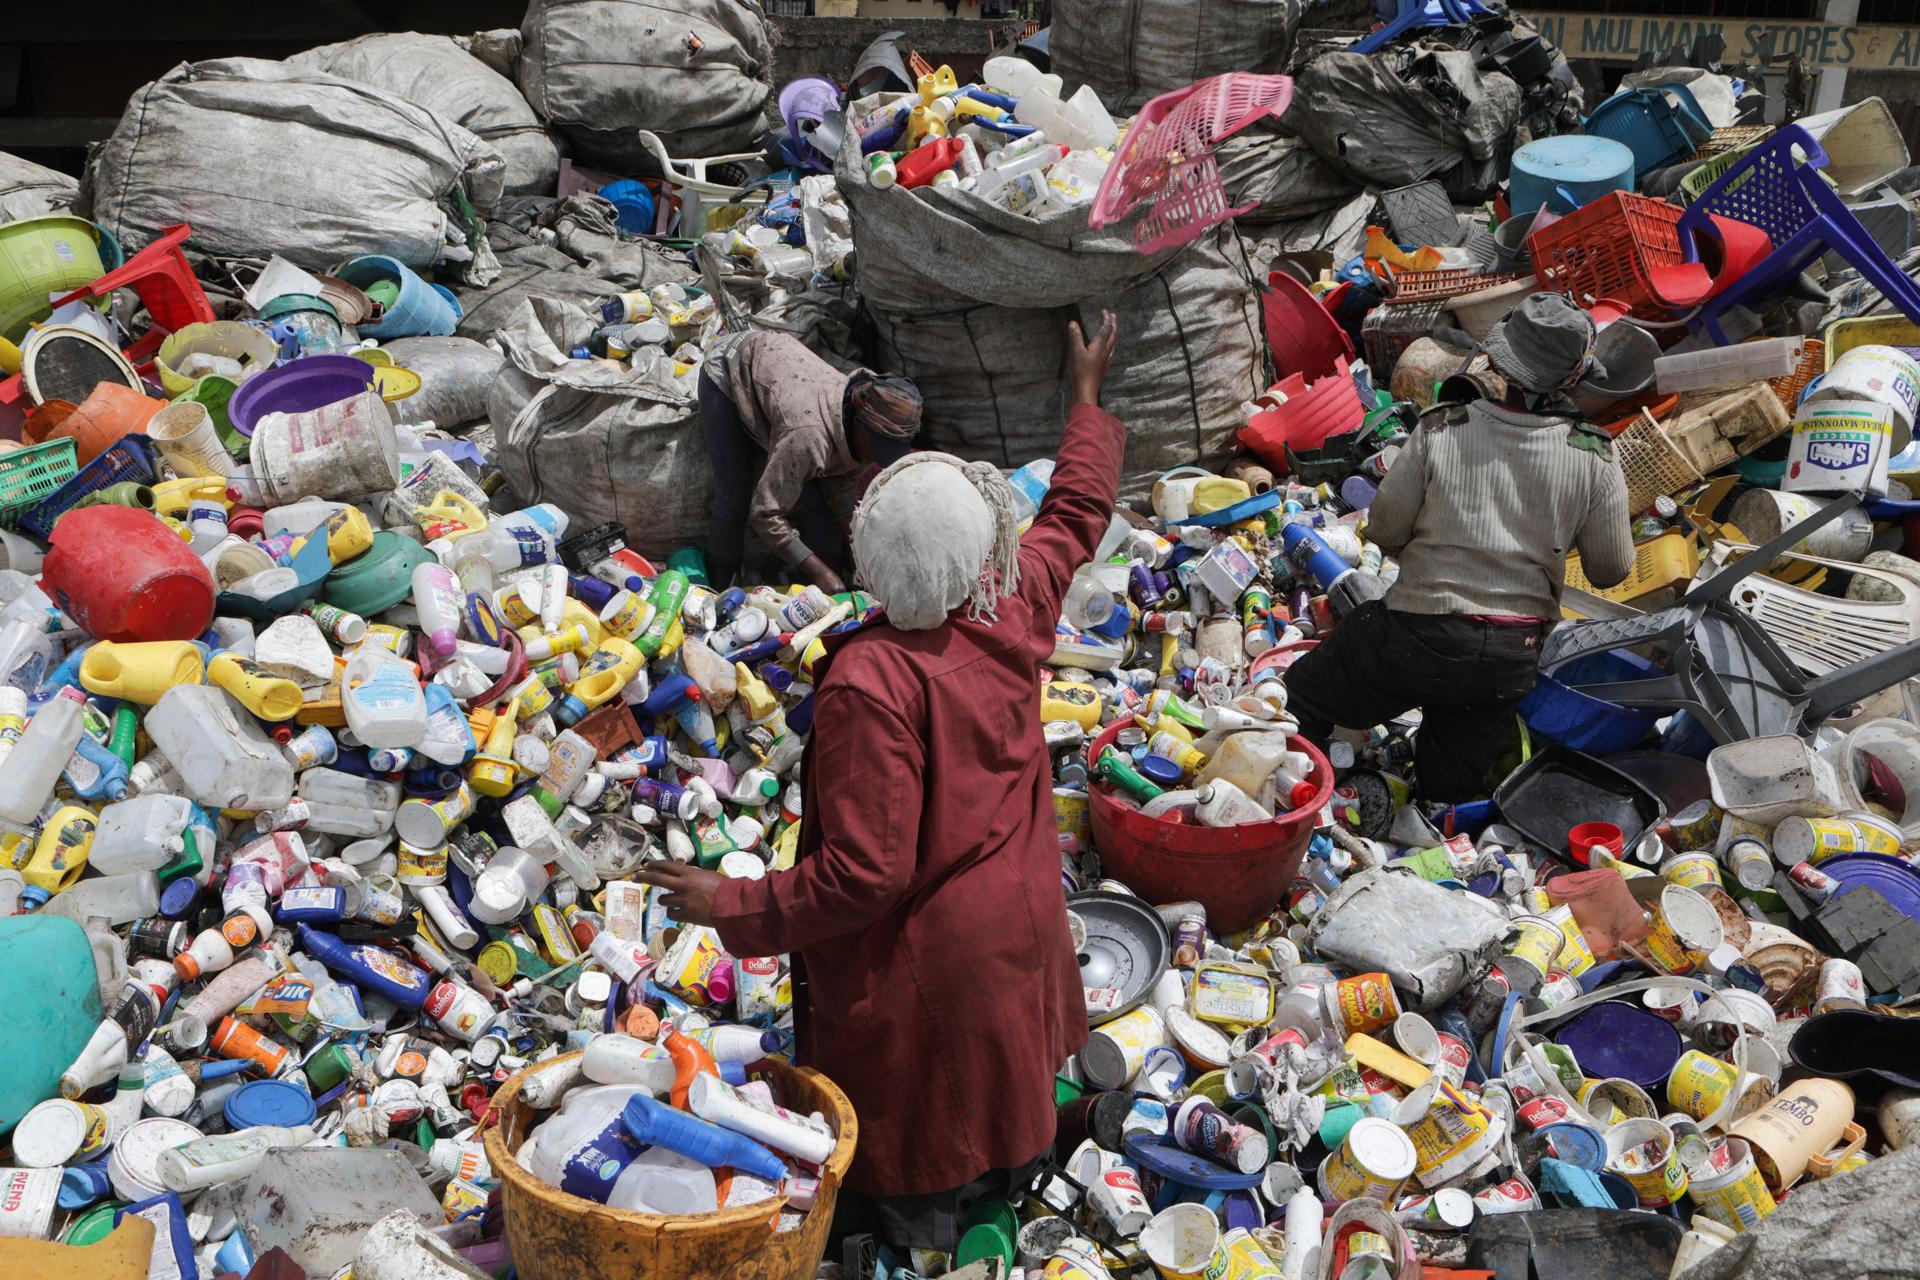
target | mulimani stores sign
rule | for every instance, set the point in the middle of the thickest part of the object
(1622, 38)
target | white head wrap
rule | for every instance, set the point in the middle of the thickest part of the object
(934, 532)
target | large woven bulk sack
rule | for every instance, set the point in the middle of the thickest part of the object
(601, 441)
(693, 71)
(971, 302)
(28, 190)
(1132, 51)
(262, 158)
(436, 73)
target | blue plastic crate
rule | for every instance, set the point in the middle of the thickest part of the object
(132, 457)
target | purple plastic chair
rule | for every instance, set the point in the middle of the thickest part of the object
(1786, 196)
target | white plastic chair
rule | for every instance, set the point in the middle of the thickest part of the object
(1825, 633)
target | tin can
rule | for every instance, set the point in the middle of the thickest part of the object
(1373, 1161)
(1455, 1056)
(1685, 929)
(1814, 882)
(1750, 862)
(1070, 817)
(1695, 826)
(1537, 940)
(1362, 1004)
(1729, 1188)
(1448, 1209)
(1692, 870)
(1515, 1195)
(498, 961)
(28, 1200)
(1116, 1050)
(1451, 1132)
(1842, 986)
(1236, 995)
(60, 1132)
(1817, 839)
(1641, 1150)
(1204, 1129)
(1538, 1113)
(1576, 953)
(420, 867)
(1701, 1082)
(1560, 988)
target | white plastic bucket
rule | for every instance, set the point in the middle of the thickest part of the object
(1896, 745)
(1840, 446)
(1884, 375)
(1773, 778)
(343, 450)
(1759, 514)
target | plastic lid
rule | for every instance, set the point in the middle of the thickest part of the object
(1158, 769)
(275, 1102)
(482, 622)
(49, 1135)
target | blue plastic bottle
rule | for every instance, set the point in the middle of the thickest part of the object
(95, 772)
(652, 1123)
(369, 967)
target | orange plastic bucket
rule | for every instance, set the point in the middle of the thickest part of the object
(1239, 873)
(97, 423)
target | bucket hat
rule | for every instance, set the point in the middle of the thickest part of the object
(1545, 344)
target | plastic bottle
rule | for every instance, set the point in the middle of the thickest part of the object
(510, 883)
(223, 758)
(383, 701)
(139, 672)
(1030, 484)
(260, 691)
(1016, 76)
(602, 676)
(60, 853)
(144, 833)
(119, 899)
(436, 597)
(34, 765)
(1221, 804)
(624, 1059)
(220, 997)
(925, 162)
(665, 1182)
(368, 966)
(1248, 759)
(802, 1137)
(95, 772)
(226, 1157)
(653, 1123)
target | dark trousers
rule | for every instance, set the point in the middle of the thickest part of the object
(925, 1222)
(1466, 676)
(736, 462)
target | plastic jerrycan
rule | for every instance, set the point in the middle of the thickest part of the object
(266, 695)
(140, 671)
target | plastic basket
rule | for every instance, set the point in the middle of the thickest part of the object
(1388, 331)
(1608, 249)
(29, 475)
(1659, 564)
(1732, 137)
(1871, 331)
(1654, 462)
(130, 459)
(1812, 361)
(1429, 286)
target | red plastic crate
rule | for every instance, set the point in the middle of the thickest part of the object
(1608, 249)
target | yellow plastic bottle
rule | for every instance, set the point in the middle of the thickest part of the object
(938, 83)
(449, 516)
(492, 772)
(61, 854)
(574, 612)
(753, 693)
(141, 671)
(173, 497)
(602, 676)
(1066, 700)
(349, 534)
(265, 694)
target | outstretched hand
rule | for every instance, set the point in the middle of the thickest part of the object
(1087, 361)
(690, 890)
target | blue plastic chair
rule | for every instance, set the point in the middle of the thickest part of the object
(1414, 14)
(1784, 194)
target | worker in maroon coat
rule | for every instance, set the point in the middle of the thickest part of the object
(935, 979)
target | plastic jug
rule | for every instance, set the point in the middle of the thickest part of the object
(1221, 804)
(1249, 758)
(260, 691)
(34, 764)
(224, 759)
(384, 704)
(122, 574)
(119, 899)
(139, 672)
(1016, 77)
(332, 786)
(26, 653)
(663, 1181)
(60, 854)
(142, 834)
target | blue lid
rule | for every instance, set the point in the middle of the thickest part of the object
(1897, 879)
(1623, 1040)
(482, 622)
(1580, 1145)
(277, 1102)
(1159, 769)
(178, 898)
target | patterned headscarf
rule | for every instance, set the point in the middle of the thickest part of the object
(885, 404)
(934, 532)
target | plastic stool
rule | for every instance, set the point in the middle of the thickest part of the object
(164, 279)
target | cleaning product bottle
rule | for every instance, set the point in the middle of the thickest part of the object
(368, 966)
(651, 1122)
(1118, 771)
(1221, 804)
(383, 700)
(602, 676)
(260, 691)
(226, 1157)
(139, 672)
(689, 1060)
(60, 854)
(36, 761)
(436, 597)
(96, 772)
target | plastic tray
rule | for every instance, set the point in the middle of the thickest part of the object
(130, 458)
(1667, 561)
(28, 475)
(1558, 789)
(1869, 331)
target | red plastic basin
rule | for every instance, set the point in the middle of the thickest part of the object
(1238, 872)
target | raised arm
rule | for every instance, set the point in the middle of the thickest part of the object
(1086, 480)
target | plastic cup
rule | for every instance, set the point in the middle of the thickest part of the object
(189, 441)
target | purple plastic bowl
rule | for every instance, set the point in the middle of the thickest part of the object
(297, 386)
(1624, 1041)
